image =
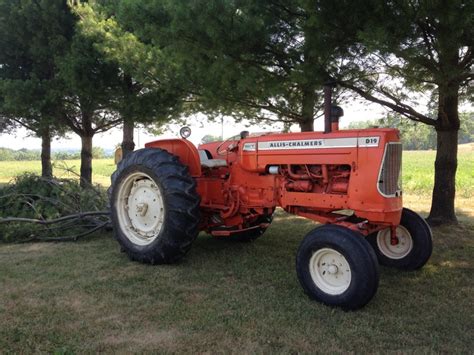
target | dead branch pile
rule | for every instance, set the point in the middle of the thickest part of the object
(33, 208)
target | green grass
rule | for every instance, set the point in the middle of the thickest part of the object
(102, 169)
(226, 297)
(418, 174)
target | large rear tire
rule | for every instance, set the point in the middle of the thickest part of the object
(337, 267)
(413, 248)
(154, 207)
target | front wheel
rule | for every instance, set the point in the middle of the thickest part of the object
(412, 247)
(337, 267)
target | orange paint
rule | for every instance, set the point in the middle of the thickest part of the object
(311, 174)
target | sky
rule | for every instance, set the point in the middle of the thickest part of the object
(199, 126)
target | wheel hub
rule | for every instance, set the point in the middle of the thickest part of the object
(141, 208)
(397, 246)
(145, 206)
(330, 271)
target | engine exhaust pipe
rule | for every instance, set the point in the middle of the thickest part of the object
(332, 113)
(327, 107)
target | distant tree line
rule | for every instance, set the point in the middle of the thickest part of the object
(20, 155)
(24, 154)
(418, 136)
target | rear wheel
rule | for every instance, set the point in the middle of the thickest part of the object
(337, 267)
(413, 245)
(154, 207)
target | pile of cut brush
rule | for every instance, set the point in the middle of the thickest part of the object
(33, 208)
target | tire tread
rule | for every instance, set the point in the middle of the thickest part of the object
(182, 205)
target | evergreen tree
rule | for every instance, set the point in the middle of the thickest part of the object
(91, 92)
(150, 86)
(33, 34)
(396, 48)
(53, 78)
(268, 59)
(249, 59)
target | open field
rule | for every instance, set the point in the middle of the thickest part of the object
(418, 171)
(102, 169)
(236, 297)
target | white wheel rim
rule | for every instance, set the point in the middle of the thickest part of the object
(399, 250)
(140, 208)
(330, 271)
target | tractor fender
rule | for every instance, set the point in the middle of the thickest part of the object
(184, 150)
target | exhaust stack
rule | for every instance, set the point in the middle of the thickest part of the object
(327, 107)
(332, 113)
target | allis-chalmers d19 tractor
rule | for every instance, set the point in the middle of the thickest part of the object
(162, 196)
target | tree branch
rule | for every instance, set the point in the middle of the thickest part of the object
(398, 106)
(71, 238)
(56, 220)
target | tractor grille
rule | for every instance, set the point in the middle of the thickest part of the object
(389, 178)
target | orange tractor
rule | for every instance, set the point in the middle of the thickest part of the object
(162, 196)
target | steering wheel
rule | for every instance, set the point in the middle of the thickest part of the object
(224, 151)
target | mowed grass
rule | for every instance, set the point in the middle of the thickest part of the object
(226, 298)
(229, 297)
(418, 177)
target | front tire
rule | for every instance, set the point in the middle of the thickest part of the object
(154, 207)
(337, 267)
(414, 245)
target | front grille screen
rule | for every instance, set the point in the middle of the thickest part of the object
(389, 177)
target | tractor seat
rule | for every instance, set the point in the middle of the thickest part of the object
(209, 162)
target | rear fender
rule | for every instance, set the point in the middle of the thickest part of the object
(184, 150)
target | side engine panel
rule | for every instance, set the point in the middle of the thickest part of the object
(311, 174)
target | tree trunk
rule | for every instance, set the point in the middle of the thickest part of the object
(442, 206)
(447, 127)
(128, 144)
(46, 166)
(307, 109)
(306, 126)
(86, 160)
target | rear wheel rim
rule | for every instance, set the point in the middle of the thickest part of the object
(330, 271)
(140, 208)
(399, 250)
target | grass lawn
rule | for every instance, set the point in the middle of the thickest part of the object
(418, 175)
(226, 297)
(230, 297)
